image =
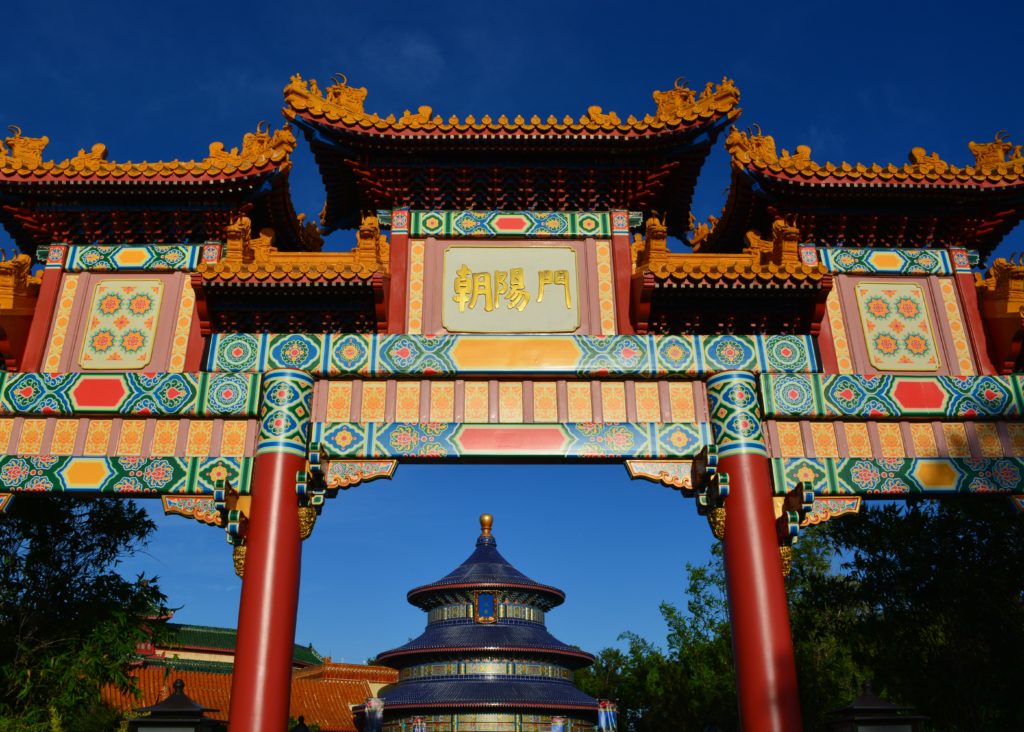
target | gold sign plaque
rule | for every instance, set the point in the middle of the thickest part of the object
(510, 290)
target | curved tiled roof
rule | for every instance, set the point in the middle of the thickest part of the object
(325, 698)
(485, 568)
(757, 152)
(503, 636)
(518, 693)
(341, 105)
(261, 151)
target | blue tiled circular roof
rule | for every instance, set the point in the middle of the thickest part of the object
(486, 568)
(519, 638)
(501, 692)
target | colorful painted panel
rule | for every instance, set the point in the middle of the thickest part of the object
(376, 355)
(886, 261)
(135, 394)
(898, 330)
(891, 477)
(140, 257)
(514, 224)
(61, 321)
(439, 440)
(193, 507)
(348, 473)
(891, 397)
(673, 473)
(122, 323)
(124, 475)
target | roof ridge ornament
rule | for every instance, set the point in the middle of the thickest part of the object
(486, 522)
(992, 155)
(255, 146)
(22, 152)
(681, 103)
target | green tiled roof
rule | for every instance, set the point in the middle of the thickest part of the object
(187, 664)
(205, 636)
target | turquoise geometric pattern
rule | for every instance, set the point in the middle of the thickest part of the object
(340, 354)
(136, 257)
(135, 394)
(896, 477)
(733, 405)
(441, 440)
(842, 260)
(510, 224)
(132, 476)
(794, 396)
(284, 420)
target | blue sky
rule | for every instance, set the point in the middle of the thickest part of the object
(862, 82)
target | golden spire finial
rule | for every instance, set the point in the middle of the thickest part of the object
(486, 521)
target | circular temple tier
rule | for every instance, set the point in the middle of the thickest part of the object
(485, 659)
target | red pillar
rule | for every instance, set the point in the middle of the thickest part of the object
(261, 684)
(766, 683)
(46, 305)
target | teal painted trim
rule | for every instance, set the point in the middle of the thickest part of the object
(131, 477)
(510, 224)
(735, 414)
(887, 396)
(286, 413)
(140, 257)
(382, 356)
(893, 478)
(130, 394)
(886, 261)
(451, 440)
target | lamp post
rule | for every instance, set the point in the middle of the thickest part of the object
(176, 713)
(870, 713)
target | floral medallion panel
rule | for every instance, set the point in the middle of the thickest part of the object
(898, 329)
(121, 324)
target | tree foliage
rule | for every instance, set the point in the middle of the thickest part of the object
(69, 623)
(925, 600)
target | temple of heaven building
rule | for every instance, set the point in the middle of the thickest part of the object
(486, 660)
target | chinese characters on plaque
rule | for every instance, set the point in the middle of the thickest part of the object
(510, 290)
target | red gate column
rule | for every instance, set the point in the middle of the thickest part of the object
(261, 685)
(762, 643)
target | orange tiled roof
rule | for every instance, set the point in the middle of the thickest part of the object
(255, 259)
(21, 160)
(762, 260)
(679, 108)
(325, 699)
(995, 163)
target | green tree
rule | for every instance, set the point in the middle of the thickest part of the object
(69, 623)
(938, 593)
(926, 600)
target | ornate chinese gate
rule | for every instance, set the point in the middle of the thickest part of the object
(511, 297)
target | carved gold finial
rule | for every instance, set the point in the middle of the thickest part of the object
(307, 519)
(786, 554)
(716, 520)
(238, 557)
(486, 521)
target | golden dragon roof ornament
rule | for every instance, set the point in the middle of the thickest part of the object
(340, 102)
